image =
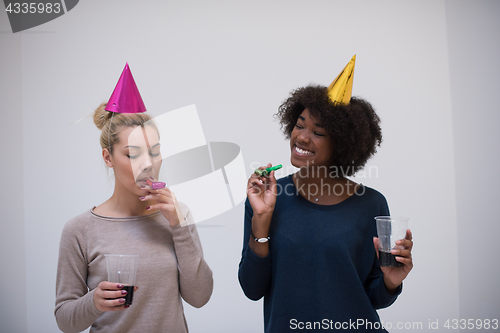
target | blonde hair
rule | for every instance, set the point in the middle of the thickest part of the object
(110, 124)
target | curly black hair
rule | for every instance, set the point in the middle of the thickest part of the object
(353, 128)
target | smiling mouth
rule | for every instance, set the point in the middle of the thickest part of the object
(302, 151)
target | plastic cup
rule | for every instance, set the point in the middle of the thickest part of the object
(122, 269)
(390, 229)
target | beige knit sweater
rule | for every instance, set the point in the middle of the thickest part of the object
(171, 266)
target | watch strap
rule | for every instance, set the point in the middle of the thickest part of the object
(260, 240)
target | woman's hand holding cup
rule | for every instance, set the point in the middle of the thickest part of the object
(109, 296)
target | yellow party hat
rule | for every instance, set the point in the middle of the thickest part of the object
(340, 90)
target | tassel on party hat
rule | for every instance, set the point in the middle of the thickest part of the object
(126, 97)
(340, 90)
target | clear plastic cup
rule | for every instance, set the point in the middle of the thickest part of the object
(390, 229)
(122, 269)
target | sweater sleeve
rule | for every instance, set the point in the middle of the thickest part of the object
(195, 276)
(376, 290)
(254, 272)
(75, 310)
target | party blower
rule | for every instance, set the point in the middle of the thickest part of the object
(266, 171)
(156, 185)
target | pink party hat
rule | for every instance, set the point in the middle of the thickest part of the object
(126, 97)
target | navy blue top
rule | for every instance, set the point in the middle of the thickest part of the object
(322, 269)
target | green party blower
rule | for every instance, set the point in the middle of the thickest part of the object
(266, 171)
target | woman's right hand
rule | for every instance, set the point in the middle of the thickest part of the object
(108, 296)
(262, 192)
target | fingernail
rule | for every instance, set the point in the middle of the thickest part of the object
(141, 198)
(121, 300)
(124, 292)
(127, 306)
(148, 207)
(119, 286)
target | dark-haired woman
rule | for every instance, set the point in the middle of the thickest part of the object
(309, 244)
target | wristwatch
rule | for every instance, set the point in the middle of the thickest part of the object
(261, 240)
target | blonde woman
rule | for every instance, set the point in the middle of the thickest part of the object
(135, 220)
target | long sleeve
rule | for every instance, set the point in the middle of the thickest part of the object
(195, 276)
(254, 272)
(75, 310)
(375, 288)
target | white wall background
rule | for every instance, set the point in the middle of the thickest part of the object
(474, 50)
(429, 67)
